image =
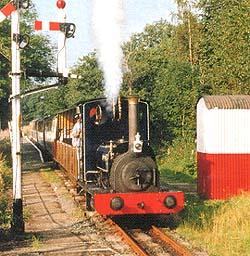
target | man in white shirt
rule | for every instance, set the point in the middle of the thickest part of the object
(77, 141)
(77, 132)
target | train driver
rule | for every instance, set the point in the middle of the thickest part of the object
(77, 141)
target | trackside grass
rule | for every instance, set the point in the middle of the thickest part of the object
(221, 228)
(5, 181)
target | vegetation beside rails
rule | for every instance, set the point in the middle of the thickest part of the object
(5, 181)
(178, 163)
(219, 227)
(50, 176)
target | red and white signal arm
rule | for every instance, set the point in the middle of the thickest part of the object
(47, 25)
(6, 11)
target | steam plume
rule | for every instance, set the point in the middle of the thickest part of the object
(108, 17)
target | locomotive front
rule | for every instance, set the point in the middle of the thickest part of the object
(127, 176)
(129, 163)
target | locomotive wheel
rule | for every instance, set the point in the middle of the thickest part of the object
(130, 173)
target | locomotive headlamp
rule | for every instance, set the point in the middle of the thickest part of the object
(170, 202)
(137, 146)
(116, 203)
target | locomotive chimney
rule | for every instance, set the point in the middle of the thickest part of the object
(132, 115)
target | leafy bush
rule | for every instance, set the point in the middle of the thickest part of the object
(178, 161)
(5, 174)
(5, 148)
(5, 182)
(5, 215)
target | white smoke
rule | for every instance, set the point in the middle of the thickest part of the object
(108, 17)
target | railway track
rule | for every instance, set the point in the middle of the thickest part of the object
(145, 241)
(149, 242)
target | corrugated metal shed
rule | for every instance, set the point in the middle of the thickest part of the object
(227, 101)
(223, 146)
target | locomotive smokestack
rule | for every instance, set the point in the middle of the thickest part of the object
(132, 114)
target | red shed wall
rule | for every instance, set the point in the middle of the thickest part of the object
(223, 175)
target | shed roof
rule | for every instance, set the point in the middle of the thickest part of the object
(227, 101)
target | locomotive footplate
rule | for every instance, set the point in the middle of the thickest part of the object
(139, 203)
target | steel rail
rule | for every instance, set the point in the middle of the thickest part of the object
(128, 239)
(179, 249)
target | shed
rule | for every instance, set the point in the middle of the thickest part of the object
(223, 146)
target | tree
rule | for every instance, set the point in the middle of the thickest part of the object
(89, 86)
(225, 58)
(163, 75)
(37, 55)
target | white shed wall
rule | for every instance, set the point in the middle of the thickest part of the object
(222, 130)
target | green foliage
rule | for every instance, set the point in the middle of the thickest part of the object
(178, 161)
(225, 58)
(5, 148)
(199, 213)
(90, 84)
(38, 56)
(169, 65)
(219, 227)
(164, 76)
(5, 183)
(4, 210)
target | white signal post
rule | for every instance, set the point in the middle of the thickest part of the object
(17, 221)
(61, 56)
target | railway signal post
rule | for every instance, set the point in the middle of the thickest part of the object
(17, 221)
(61, 55)
(65, 30)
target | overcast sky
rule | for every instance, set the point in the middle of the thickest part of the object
(138, 13)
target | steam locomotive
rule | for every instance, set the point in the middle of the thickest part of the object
(116, 167)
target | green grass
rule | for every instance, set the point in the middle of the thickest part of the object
(36, 242)
(50, 176)
(222, 228)
(175, 176)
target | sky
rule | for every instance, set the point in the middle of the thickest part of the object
(137, 14)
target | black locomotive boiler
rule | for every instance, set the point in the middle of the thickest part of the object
(116, 168)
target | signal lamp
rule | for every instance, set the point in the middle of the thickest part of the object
(23, 4)
(170, 202)
(21, 40)
(68, 29)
